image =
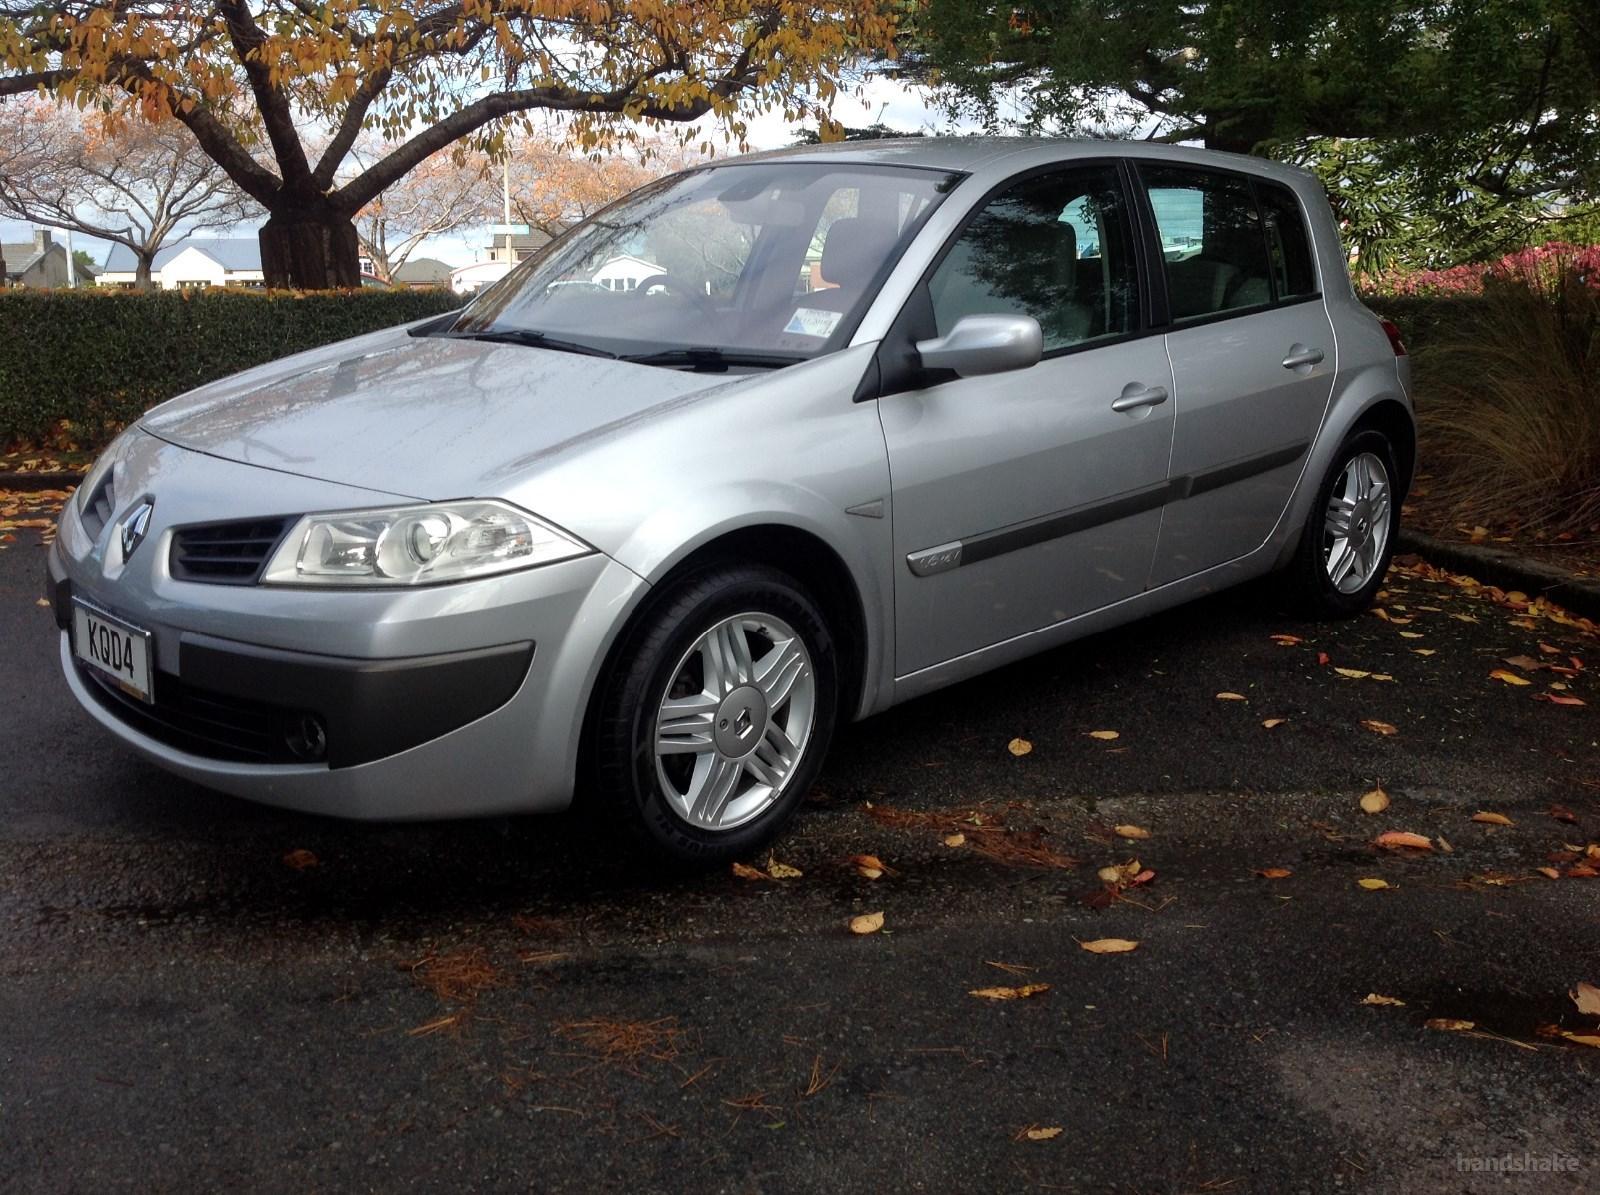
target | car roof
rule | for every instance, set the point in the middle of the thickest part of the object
(973, 154)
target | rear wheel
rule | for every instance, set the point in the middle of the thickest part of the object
(1349, 535)
(717, 714)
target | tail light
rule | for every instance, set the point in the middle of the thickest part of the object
(1392, 331)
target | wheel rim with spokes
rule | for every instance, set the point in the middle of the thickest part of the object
(1356, 526)
(735, 721)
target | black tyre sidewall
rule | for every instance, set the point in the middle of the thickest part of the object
(1315, 588)
(626, 771)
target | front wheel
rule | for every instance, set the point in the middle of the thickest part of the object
(1349, 536)
(717, 714)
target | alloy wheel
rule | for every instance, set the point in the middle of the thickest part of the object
(1356, 525)
(735, 721)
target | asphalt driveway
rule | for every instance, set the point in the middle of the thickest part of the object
(196, 993)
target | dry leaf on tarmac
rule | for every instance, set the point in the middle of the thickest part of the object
(300, 859)
(1423, 651)
(1558, 699)
(1492, 819)
(867, 923)
(1042, 1134)
(1549, 873)
(1105, 736)
(1374, 998)
(782, 871)
(1128, 831)
(1378, 727)
(1021, 993)
(1272, 722)
(1372, 883)
(870, 866)
(1019, 747)
(744, 871)
(1402, 840)
(1375, 801)
(1582, 1039)
(1587, 997)
(1451, 1024)
(1287, 640)
(1353, 673)
(1510, 678)
(1109, 946)
(1231, 697)
(1562, 814)
(955, 839)
(1274, 873)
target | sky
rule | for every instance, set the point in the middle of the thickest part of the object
(879, 100)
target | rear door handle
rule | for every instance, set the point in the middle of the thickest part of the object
(1134, 396)
(1300, 355)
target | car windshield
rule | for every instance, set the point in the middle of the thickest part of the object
(757, 264)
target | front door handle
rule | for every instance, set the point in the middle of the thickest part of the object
(1134, 396)
(1300, 355)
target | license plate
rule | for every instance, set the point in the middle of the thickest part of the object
(112, 647)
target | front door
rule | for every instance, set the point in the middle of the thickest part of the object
(1026, 498)
(1253, 360)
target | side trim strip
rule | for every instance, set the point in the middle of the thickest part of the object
(989, 544)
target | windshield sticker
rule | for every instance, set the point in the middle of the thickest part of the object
(813, 321)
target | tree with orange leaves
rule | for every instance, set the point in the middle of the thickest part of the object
(425, 74)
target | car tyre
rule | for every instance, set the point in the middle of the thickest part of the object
(1336, 575)
(715, 716)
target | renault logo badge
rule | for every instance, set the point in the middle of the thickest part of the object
(135, 526)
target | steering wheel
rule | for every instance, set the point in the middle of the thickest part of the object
(678, 288)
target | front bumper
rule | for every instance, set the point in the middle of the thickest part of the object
(444, 701)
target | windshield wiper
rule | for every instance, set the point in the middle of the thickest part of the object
(712, 360)
(532, 339)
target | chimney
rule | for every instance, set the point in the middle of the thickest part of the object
(41, 239)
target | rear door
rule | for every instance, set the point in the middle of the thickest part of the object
(1253, 359)
(1022, 499)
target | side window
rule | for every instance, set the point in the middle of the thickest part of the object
(1211, 240)
(1057, 247)
(1288, 244)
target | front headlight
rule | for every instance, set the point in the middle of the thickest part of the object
(416, 545)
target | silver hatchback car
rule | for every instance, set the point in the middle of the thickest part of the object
(769, 443)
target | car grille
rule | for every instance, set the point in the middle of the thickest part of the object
(97, 510)
(201, 722)
(225, 553)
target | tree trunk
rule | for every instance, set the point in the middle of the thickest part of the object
(310, 250)
(141, 272)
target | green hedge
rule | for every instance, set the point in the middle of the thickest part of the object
(1423, 319)
(99, 359)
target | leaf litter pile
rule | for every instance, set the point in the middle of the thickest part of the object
(983, 830)
(29, 510)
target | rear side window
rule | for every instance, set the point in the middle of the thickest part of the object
(1288, 244)
(1211, 241)
(1058, 247)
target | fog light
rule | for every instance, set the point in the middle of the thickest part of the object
(306, 738)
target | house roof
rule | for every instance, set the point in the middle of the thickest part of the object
(238, 254)
(20, 257)
(423, 271)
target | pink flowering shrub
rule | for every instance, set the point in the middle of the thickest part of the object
(1540, 269)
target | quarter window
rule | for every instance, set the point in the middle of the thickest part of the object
(1288, 246)
(1211, 241)
(1056, 247)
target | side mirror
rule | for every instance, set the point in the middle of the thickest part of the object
(980, 344)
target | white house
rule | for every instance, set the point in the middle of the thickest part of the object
(625, 272)
(191, 263)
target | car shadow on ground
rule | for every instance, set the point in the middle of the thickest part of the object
(251, 860)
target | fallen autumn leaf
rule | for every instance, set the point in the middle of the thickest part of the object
(1021, 993)
(867, 923)
(1587, 997)
(1129, 831)
(1375, 801)
(1402, 840)
(1019, 747)
(1374, 998)
(1491, 819)
(1109, 946)
(1372, 883)
(1377, 727)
